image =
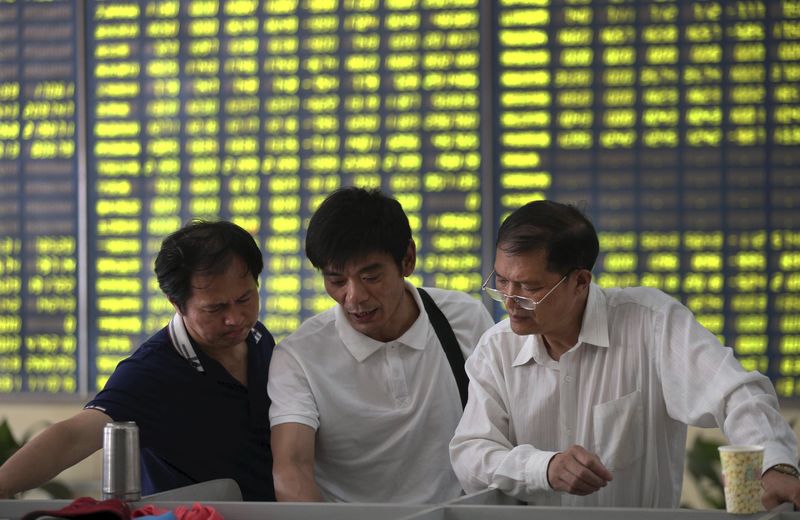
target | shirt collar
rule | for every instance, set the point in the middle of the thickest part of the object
(184, 344)
(362, 346)
(594, 331)
(532, 348)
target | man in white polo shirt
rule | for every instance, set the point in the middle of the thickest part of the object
(367, 395)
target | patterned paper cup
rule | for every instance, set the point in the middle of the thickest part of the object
(741, 474)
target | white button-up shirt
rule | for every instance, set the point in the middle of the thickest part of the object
(384, 412)
(642, 369)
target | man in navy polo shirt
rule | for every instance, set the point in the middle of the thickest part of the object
(197, 389)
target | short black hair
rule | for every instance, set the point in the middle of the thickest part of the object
(560, 229)
(353, 222)
(206, 247)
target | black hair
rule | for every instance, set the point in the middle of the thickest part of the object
(561, 229)
(205, 247)
(352, 223)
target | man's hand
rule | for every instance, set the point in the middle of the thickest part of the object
(779, 488)
(577, 471)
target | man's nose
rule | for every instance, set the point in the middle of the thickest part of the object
(356, 292)
(233, 315)
(510, 301)
(511, 298)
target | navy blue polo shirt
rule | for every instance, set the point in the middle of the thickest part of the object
(195, 426)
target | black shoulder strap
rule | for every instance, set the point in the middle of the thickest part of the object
(449, 343)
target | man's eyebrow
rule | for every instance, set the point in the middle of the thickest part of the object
(518, 282)
(371, 267)
(248, 292)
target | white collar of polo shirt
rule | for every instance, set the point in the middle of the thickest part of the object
(183, 345)
(362, 346)
(181, 342)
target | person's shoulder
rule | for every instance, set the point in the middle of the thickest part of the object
(450, 297)
(153, 357)
(467, 315)
(313, 331)
(157, 345)
(154, 364)
(499, 341)
(649, 298)
(500, 331)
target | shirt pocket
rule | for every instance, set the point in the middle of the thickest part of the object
(619, 430)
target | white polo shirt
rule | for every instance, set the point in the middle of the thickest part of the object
(384, 412)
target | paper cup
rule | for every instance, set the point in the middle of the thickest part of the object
(741, 474)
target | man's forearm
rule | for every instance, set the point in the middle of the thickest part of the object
(295, 484)
(38, 461)
(52, 451)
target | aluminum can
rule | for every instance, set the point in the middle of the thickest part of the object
(121, 461)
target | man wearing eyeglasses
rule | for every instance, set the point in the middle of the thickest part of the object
(583, 395)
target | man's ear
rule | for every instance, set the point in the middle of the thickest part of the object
(175, 306)
(583, 278)
(410, 260)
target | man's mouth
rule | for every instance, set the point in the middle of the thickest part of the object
(363, 315)
(238, 332)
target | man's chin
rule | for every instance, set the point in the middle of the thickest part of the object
(524, 328)
(236, 337)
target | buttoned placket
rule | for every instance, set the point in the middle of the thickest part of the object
(568, 400)
(397, 375)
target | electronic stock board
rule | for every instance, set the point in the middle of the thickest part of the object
(675, 125)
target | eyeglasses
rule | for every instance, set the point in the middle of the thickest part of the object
(526, 303)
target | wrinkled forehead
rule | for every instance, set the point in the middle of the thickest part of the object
(521, 264)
